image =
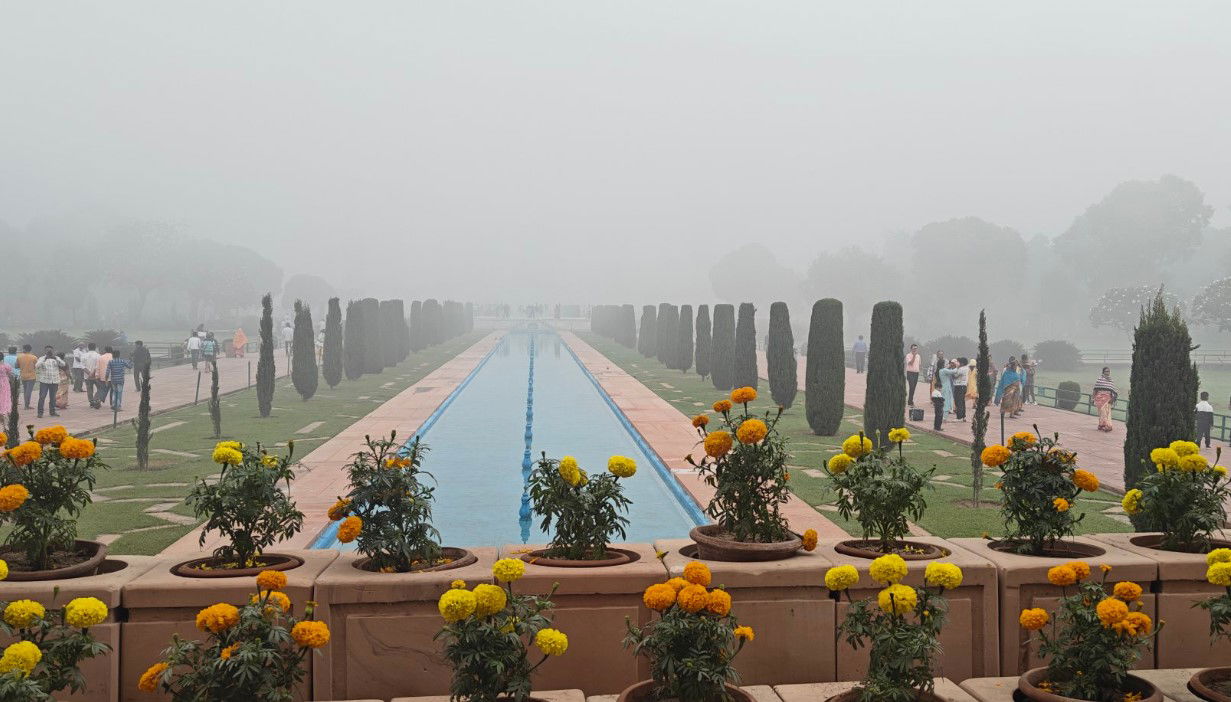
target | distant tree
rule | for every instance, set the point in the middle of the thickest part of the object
(304, 374)
(952, 346)
(469, 317)
(215, 402)
(825, 372)
(628, 326)
(1212, 305)
(884, 405)
(1059, 354)
(311, 289)
(722, 373)
(418, 342)
(265, 371)
(978, 422)
(1121, 307)
(780, 356)
(373, 342)
(857, 277)
(1001, 350)
(761, 276)
(683, 340)
(668, 333)
(433, 322)
(391, 332)
(142, 426)
(331, 353)
(705, 342)
(352, 338)
(647, 341)
(745, 367)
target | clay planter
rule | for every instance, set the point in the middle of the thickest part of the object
(644, 692)
(211, 567)
(102, 674)
(1202, 684)
(945, 691)
(1178, 583)
(382, 627)
(535, 696)
(713, 548)
(161, 603)
(970, 638)
(459, 558)
(1027, 682)
(908, 550)
(1023, 584)
(615, 557)
(792, 616)
(94, 551)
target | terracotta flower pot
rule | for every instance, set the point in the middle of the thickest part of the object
(1060, 549)
(459, 557)
(644, 692)
(712, 547)
(212, 567)
(908, 550)
(1203, 682)
(92, 552)
(1027, 686)
(615, 557)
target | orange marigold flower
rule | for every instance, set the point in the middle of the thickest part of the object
(678, 583)
(78, 449)
(13, 497)
(310, 634)
(1033, 619)
(51, 435)
(226, 653)
(1085, 480)
(722, 406)
(149, 679)
(1081, 568)
(719, 602)
(700, 420)
(741, 396)
(271, 580)
(25, 453)
(809, 539)
(1127, 591)
(659, 597)
(994, 455)
(275, 598)
(693, 598)
(745, 632)
(350, 528)
(751, 431)
(1110, 611)
(338, 510)
(217, 618)
(1024, 437)
(1061, 575)
(717, 444)
(698, 573)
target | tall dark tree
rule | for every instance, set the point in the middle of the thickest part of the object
(142, 425)
(628, 326)
(1164, 383)
(373, 336)
(304, 374)
(433, 322)
(978, 423)
(265, 371)
(647, 340)
(825, 372)
(391, 332)
(683, 340)
(722, 373)
(353, 336)
(14, 421)
(745, 369)
(780, 356)
(884, 405)
(417, 340)
(331, 352)
(215, 401)
(668, 329)
(705, 342)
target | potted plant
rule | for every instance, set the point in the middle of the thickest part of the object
(388, 511)
(882, 492)
(1040, 482)
(49, 647)
(901, 627)
(488, 632)
(1183, 500)
(692, 644)
(44, 485)
(252, 652)
(584, 511)
(251, 507)
(1215, 683)
(745, 463)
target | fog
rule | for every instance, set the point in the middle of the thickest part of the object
(599, 151)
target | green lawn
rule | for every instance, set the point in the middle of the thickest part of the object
(129, 501)
(950, 513)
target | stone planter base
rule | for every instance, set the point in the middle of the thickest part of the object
(1027, 686)
(547, 696)
(1171, 683)
(644, 692)
(945, 690)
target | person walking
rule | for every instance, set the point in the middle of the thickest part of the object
(25, 366)
(209, 349)
(1104, 396)
(1009, 390)
(1028, 368)
(240, 341)
(288, 338)
(141, 364)
(47, 372)
(78, 368)
(101, 386)
(861, 353)
(938, 403)
(961, 379)
(912, 363)
(1205, 419)
(89, 369)
(193, 345)
(115, 377)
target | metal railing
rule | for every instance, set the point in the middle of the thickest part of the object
(1083, 403)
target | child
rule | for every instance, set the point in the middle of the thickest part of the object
(1205, 419)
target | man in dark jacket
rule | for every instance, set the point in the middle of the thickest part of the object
(141, 365)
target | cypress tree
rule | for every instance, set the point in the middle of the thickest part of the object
(683, 343)
(978, 423)
(265, 365)
(352, 337)
(215, 402)
(433, 322)
(704, 346)
(331, 354)
(14, 432)
(304, 374)
(391, 334)
(469, 317)
(647, 341)
(745, 368)
(628, 326)
(884, 405)
(780, 356)
(417, 342)
(722, 370)
(373, 335)
(668, 329)
(142, 423)
(825, 372)
(1164, 387)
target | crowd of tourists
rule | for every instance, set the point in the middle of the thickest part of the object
(952, 384)
(55, 374)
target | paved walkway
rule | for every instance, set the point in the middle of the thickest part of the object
(322, 478)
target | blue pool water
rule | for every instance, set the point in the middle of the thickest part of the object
(528, 396)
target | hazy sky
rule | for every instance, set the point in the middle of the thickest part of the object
(598, 151)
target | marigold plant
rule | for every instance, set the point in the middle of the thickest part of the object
(583, 513)
(50, 645)
(1040, 485)
(1183, 498)
(878, 488)
(1218, 573)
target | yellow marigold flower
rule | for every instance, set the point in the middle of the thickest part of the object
(338, 510)
(20, 614)
(1165, 458)
(1140, 621)
(269, 461)
(227, 456)
(78, 449)
(856, 446)
(1194, 463)
(994, 456)
(698, 573)
(217, 618)
(1061, 455)
(314, 634)
(25, 453)
(1085, 480)
(569, 472)
(841, 577)
(1033, 619)
(745, 632)
(456, 605)
(552, 642)
(1131, 501)
(1105, 568)
(751, 431)
(1061, 504)
(897, 599)
(51, 435)
(20, 657)
(1218, 555)
(230, 444)
(275, 598)
(226, 653)
(1080, 568)
(678, 583)
(693, 598)
(722, 406)
(899, 435)
(1221, 470)
(13, 496)
(489, 599)
(717, 444)
(888, 569)
(1219, 574)
(349, 530)
(659, 597)
(700, 421)
(741, 396)
(1025, 438)
(85, 612)
(271, 580)
(719, 602)
(1184, 448)
(4, 439)
(149, 679)
(1127, 591)
(4, 569)
(1061, 576)
(809, 538)
(839, 462)
(507, 570)
(621, 466)
(458, 584)
(1110, 610)
(943, 575)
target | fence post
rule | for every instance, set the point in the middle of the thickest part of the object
(197, 396)
(249, 373)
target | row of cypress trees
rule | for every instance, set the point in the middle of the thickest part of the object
(616, 322)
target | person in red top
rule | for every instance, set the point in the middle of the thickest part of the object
(912, 371)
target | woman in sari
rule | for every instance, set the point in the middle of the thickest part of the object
(1104, 397)
(6, 393)
(945, 375)
(239, 342)
(1009, 390)
(972, 389)
(64, 386)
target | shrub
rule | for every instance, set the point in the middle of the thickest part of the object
(331, 353)
(433, 322)
(393, 323)
(1068, 394)
(1183, 498)
(585, 511)
(780, 356)
(722, 372)
(247, 505)
(102, 338)
(668, 333)
(703, 353)
(304, 374)
(1218, 573)
(265, 361)
(1058, 355)
(885, 399)
(745, 365)
(46, 483)
(53, 642)
(417, 340)
(683, 340)
(881, 491)
(352, 340)
(825, 372)
(647, 340)
(628, 326)
(953, 346)
(373, 336)
(1001, 350)
(54, 338)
